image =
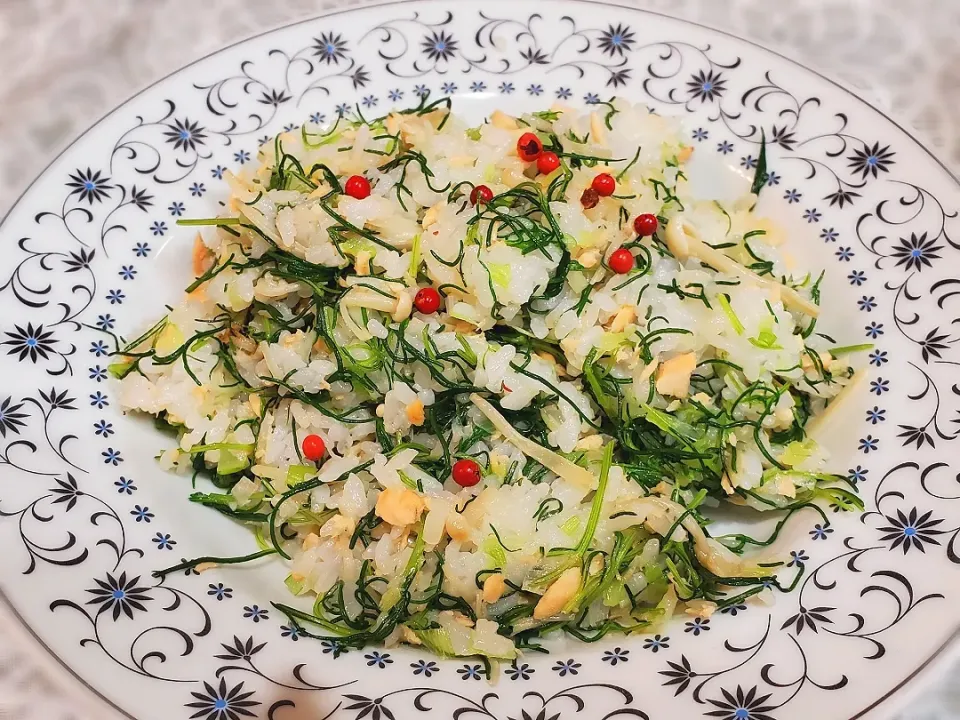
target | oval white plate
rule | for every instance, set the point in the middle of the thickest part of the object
(86, 516)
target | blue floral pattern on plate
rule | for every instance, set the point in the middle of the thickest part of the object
(81, 264)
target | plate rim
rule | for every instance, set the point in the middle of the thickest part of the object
(932, 669)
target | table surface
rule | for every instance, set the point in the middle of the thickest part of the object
(902, 56)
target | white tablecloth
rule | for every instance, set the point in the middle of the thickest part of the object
(67, 62)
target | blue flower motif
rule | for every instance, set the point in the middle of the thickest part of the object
(869, 160)
(876, 415)
(176, 209)
(290, 631)
(381, 660)
(127, 272)
(772, 179)
(198, 189)
(420, 90)
(812, 215)
(103, 428)
(90, 186)
(120, 595)
(255, 613)
(616, 40)
(798, 558)
(470, 672)
(591, 98)
(519, 672)
(222, 703)
(844, 254)
(874, 330)
(395, 95)
(164, 541)
(158, 228)
(867, 304)
(820, 532)
(439, 46)
(749, 162)
(868, 444)
(343, 109)
(335, 648)
(217, 172)
(857, 474)
(99, 400)
(742, 706)
(98, 373)
(654, 644)
(116, 297)
(618, 655)
(506, 88)
(290, 127)
(329, 48)
(792, 196)
(111, 457)
(142, 514)
(535, 89)
(125, 486)
(99, 348)
(318, 118)
(219, 591)
(911, 531)
(32, 342)
(708, 86)
(241, 156)
(565, 667)
(734, 610)
(370, 101)
(185, 135)
(697, 626)
(878, 357)
(700, 134)
(478, 86)
(857, 277)
(563, 93)
(829, 235)
(425, 667)
(448, 88)
(879, 386)
(141, 249)
(725, 148)
(105, 322)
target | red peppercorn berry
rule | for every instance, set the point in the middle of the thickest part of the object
(547, 162)
(589, 198)
(621, 261)
(481, 194)
(313, 448)
(604, 184)
(645, 225)
(427, 300)
(466, 473)
(357, 186)
(529, 147)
